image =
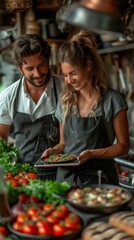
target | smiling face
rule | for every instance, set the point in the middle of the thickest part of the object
(35, 70)
(74, 77)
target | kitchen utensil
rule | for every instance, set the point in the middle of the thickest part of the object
(98, 209)
(97, 16)
(99, 177)
(63, 26)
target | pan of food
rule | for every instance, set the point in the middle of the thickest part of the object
(104, 199)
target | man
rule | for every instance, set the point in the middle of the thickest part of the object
(28, 105)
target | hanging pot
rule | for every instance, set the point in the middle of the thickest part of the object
(63, 26)
(97, 19)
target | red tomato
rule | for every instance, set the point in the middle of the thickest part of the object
(44, 227)
(33, 199)
(31, 175)
(21, 217)
(59, 230)
(61, 211)
(48, 206)
(18, 178)
(52, 218)
(17, 226)
(8, 176)
(14, 182)
(22, 174)
(29, 228)
(23, 198)
(63, 208)
(35, 217)
(73, 221)
(3, 230)
(24, 182)
(32, 211)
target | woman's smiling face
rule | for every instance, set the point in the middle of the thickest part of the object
(74, 77)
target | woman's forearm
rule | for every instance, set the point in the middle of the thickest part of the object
(105, 153)
(110, 152)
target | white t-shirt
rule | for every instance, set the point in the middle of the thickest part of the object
(45, 106)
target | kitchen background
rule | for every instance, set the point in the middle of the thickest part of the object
(44, 17)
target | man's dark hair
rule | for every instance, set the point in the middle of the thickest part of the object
(28, 45)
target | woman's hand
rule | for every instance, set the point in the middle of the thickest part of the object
(84, 156)
(48, 152)
(56, 149)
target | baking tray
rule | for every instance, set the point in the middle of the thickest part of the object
(42, 163)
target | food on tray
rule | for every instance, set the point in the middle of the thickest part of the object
(98, 197)
(102, 230)
(124, 221)
(61, 157)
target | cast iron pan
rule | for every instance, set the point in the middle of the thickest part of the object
(97, 210)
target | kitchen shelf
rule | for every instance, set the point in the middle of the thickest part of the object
(116, 48)
(54, 40)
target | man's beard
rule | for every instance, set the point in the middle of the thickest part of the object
(44, 76)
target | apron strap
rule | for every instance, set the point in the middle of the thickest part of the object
(104, 120)
(55, 90)
(16, 99)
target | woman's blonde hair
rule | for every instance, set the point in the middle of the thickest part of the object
(79, 51)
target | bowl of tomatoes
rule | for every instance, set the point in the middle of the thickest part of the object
(47, 222)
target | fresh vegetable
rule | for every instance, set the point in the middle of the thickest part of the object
(29, 228)
(36, 221)
(3, 230)
(44, 227)
(44, 190)
(9, 157)
(72, 221)
(8, 152)
(9, 167)
(59, 230)
(20, 179)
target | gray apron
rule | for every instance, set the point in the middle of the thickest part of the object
(82, 133)
(33, 137)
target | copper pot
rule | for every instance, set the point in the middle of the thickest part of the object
(105, 6)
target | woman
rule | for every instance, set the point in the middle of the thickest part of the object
(91, 115)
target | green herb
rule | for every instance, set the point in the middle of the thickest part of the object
(44, 190)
